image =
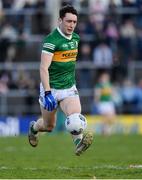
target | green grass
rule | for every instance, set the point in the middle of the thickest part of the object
(108, 157)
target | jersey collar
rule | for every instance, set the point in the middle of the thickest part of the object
(62, 34)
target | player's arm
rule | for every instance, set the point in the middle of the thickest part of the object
(97, 94)
(44, 74)
(49, 101)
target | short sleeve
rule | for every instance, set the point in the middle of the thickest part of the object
(48, 45)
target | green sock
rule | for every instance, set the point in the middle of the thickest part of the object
(77, 141)
(77, 138)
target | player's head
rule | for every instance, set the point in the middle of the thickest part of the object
(67, 19)
(104, 77)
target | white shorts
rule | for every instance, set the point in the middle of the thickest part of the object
(59, 94)
(106, 108)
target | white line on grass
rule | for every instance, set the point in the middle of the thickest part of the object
(12, 168)
(6, 168)
(136, 166)
(102, 167)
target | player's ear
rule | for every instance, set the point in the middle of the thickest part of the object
(60, 21)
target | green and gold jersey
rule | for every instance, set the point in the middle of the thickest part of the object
(64, 50)
(105, 91)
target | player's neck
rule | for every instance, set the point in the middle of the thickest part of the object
(63, 34)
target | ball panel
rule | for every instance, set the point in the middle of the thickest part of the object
(75, 123)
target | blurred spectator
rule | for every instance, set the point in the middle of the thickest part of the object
(85, 28)
(40, 25)
(129, 97)
(85, 52)
(7, 4)
(4, 80)
(8, 32)
(139, 15)
(103, 101)
(66, 2)
(8, 37)
(23, 78)
(84, 74)
(127, 41)
(0, 5)
(129, 3)
(102, 57)
(139, 94)
(112, 35)
(26, 82)
(97, 11)
(116, 97)
(128, 30)
(139, 45)
(113, 4)
(30, 99)
(18, 5)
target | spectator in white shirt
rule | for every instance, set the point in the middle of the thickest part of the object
(103, 56)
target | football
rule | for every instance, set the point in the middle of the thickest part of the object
(76, 123)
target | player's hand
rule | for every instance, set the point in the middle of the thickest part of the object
(50, 101)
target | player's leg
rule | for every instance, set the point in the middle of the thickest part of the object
(48, 121)
(107, 111)
(44, 124)
(70, 106)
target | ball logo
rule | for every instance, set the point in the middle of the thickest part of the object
(81, 118)
(68, 121)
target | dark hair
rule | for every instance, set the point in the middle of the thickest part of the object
(67, 9)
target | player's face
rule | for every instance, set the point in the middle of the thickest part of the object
(68, 23)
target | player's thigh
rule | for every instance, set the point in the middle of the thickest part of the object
(49, 118)
(71, 105)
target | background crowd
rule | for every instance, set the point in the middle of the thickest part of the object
(111, 39)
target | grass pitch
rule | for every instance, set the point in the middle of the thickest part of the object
(117, 156)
